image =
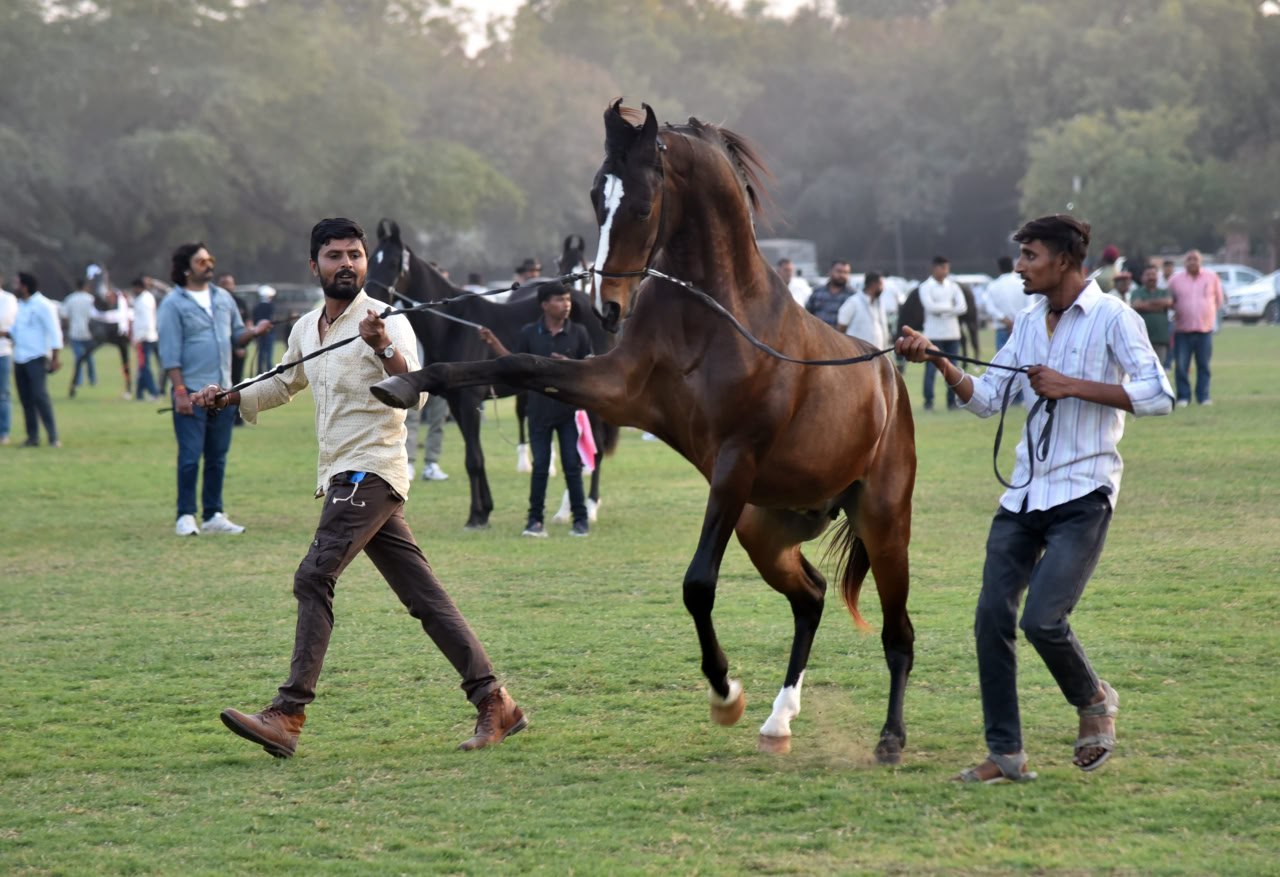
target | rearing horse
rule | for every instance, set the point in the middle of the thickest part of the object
(785, 447)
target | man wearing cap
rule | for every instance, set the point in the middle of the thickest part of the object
(265, 309)
(1110, 268)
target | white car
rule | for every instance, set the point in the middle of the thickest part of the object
(1234, 276)
(1255, 301)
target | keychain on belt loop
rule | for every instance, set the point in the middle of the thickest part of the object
(356, 478)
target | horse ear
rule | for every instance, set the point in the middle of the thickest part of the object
(646, 147)
(388, 229)
(618, 132)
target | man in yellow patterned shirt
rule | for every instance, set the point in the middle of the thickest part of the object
(363, 483)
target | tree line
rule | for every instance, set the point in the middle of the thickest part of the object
(894, 128)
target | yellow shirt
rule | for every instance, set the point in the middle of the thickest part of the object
(355, 431)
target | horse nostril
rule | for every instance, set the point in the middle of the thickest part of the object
(609, 319)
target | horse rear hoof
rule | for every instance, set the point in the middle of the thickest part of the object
(727, 711)
(395, 392)
(774, 745)
(889, 751)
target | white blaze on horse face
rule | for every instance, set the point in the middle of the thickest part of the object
(786, 706)
(378, 258)
(612, 197)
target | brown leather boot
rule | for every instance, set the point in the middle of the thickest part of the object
(499, 718)
(273, 729)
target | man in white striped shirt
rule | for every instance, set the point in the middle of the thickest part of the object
(1080, 346)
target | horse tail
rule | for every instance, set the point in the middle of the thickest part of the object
(852, 563)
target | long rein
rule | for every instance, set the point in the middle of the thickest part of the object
(1037, 449)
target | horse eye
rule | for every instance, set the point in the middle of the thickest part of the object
(642, 211)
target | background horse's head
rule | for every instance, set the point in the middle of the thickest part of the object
(627, 195)
(389, 263)
(573, 255)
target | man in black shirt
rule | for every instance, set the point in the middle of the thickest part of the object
(557, 337)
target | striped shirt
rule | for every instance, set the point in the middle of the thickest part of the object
(356, 432)
(1099, 338)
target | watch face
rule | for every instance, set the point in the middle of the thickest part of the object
(388, 351)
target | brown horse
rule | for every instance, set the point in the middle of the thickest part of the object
(785, 447)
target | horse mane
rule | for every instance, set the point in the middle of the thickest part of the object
(742, 154)
(745, 157)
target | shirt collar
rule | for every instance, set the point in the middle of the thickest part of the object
(1086, 300)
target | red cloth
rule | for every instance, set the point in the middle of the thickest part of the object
(586, 441)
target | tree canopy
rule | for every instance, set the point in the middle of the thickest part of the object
(132, 125)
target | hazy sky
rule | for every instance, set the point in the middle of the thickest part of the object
(486, 9)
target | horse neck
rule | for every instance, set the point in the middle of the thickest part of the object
(713, 248)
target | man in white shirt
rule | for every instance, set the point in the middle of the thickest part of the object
(1049, 530)
(363, 479)
(862, 316)
(8, 313)
(145, 337)
(1005, 297)
(943, 302)
(78, 309)
(798, 287)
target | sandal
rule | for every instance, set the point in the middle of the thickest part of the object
(1109, 707)
(1013, 769)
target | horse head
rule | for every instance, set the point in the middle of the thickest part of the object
(390, 262)
(627, 194)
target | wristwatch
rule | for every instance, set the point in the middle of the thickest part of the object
(388, 352)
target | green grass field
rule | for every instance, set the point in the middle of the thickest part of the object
(121, 643)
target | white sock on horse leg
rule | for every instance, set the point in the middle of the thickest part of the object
(786, 706)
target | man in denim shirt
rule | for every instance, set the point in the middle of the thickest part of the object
(198, 322)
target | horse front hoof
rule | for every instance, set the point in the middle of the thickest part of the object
(395, 392)
(726, 711)
(773, 745)
(889, 750)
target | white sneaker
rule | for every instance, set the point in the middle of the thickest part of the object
(433, 472)
(220, 523)
(186, 526)
(1183, 403)
(1207, 402)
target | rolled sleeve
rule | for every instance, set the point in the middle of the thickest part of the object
(278, 389)
(1148, 385)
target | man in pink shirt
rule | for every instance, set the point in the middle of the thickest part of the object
(1197, 298)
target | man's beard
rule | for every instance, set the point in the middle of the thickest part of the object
(343, 286)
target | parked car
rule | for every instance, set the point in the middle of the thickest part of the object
(1255, 301)
(1234, 276)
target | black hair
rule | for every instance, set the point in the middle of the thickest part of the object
(335, 229)
(871, 277)
(783, 259)
(29, 281)
(474, 278)
(1060, 233)
(1005, 264)
(181, 266)
(138, 281)
(835, 262)
(940, 260)
(551, 289)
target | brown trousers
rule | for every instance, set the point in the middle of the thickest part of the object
(369, 517)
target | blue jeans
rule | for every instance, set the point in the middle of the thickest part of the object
(201, 434)
(146, 380)
(950, 347)
(540, 448)
(6, 406)
(32, 379)
(1050, 555)
(81, 350)
(1199, 345)
(266, 352)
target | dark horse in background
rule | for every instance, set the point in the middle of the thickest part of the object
(785, 447)
(911, 314)
(394, 270)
